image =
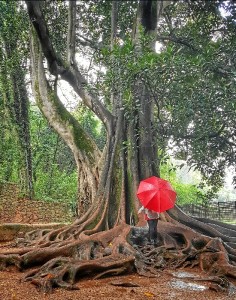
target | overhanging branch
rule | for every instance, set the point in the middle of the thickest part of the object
(175, 39)
(84, 41)
(71, 73)
(63, 123)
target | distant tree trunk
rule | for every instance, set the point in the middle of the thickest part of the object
(18, 108)
(21, 113)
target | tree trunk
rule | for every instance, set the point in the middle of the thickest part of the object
(18, 109)
(21, 113)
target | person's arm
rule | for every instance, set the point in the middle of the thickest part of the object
(141, 209)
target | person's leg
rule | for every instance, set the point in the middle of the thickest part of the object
(149, 230)
(155, 230)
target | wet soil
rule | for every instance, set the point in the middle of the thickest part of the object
(127, 287)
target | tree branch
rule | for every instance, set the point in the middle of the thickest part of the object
(222, 71)
(70, 74)
(175, 39)
(84, 41)
(60, 119)
(209, 135)
(71, 32)
(114, 19)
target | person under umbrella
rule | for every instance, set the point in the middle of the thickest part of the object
(156, 195)
(152, 219)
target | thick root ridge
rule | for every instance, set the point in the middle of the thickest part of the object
(64, 272)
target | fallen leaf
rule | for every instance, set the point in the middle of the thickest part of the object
(148, 294)
(49, 276)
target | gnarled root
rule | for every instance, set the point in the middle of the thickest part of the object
(10, 260)
(63, 272)
(121, 249)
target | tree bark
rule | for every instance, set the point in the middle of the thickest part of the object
(71, 32)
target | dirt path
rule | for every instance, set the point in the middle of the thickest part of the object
(164, 287)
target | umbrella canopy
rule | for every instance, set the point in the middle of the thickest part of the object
(156, 194)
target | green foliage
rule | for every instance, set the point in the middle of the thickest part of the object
(54, 169)
(53, 163)
(10, 157)
(62, 187)
(57, 16)
(13, 53)
(192, 83)
(92, 125)
(186, 193)
(9, 148)
(97, 27)
(199, 95)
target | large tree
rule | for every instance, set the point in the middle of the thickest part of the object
(139, 119)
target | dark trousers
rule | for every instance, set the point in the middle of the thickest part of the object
(152, 224)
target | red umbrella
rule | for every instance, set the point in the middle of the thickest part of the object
(156, 194)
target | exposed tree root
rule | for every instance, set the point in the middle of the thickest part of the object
(120, 250)
(9, 260)
(64, 272)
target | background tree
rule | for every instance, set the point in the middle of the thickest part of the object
(13, 89)
(54, 174)
(139, 120)
(31, 153)
(202, 63)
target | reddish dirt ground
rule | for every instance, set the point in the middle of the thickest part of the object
(139, 288)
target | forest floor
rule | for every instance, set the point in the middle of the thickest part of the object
(127, 287)
(168, 284)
